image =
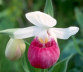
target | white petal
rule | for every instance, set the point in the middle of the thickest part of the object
(64, 33)
(41, 19)
(25, 32)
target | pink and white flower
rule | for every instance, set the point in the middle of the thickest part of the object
(44, 50)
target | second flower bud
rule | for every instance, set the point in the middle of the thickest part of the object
(15, 49)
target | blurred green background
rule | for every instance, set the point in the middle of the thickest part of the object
(66, 12)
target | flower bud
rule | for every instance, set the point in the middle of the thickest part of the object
(14, 49)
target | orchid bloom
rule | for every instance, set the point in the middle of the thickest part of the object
(44, 50)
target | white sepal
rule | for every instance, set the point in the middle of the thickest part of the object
(25, 32)
(41, 19)
(9, 31)
(64, 33)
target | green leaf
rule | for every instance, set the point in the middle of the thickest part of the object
(37, 70)
(49, 8)
(1, 2)
(6, 21)
(72, 48)
(37, 5)
(76, 46)
(4, 13)
(74, 70)
(61, 66)
(24, 64)
(78, 59)
(44, 70)
(68, 50)
(79, 17)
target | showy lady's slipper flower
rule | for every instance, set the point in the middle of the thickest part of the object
(14, 49)
(44, 50)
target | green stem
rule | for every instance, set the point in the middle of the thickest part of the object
(37, 70)
(27, 42)
(24, 64)
(44, 70)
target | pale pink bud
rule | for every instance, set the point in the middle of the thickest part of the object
(14, 49)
